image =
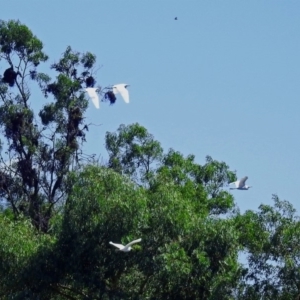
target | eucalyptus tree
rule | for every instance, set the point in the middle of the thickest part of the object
(38, 148)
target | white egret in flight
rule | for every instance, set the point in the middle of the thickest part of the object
(122, 89)
(240, 184)
(126, 248)
(94, 96)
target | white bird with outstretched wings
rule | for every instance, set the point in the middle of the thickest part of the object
(240, 184)
(127, 247)
(94, 96)
(122, 90)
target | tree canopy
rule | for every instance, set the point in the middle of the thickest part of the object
(61, 210)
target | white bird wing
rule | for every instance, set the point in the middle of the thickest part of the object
(115, 90)
(236, 183)
(125, 94)
(121, 88)
(94, 96)
(242, 182)
(120, 246)
(133, 242)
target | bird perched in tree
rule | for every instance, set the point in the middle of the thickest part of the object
(10, 76)
(94, 96)
(126, 248)
(122, 89)
(240, 184)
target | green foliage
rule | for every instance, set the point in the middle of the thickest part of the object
(17, 38)
(133, 151)
(184, 253)
(207, 181)
(271, 239)
(19, 243)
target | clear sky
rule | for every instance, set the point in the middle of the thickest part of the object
(222, 80)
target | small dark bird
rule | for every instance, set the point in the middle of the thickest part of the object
(175, 18)
(10, 76)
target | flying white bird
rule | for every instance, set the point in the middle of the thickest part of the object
(240, 184)
(121, 88)
(126, 248)
(94, 96)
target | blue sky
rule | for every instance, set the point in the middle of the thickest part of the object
(222, 80)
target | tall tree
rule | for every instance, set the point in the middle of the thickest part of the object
(40, 148)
